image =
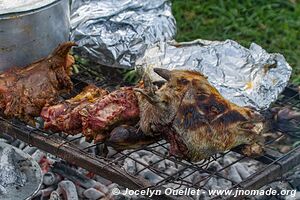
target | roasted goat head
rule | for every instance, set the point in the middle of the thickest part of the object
(24, 91)
(195, 119)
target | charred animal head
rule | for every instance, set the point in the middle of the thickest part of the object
(193, 116)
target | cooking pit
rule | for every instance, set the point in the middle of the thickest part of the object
(76, 169)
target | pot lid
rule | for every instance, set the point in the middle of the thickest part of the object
(15, 6)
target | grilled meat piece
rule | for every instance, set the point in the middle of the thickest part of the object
(196, 120)
(65, 116)
(25, 91)
(95, 113)
(116, 108)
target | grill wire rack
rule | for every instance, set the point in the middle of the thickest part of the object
(272, 165)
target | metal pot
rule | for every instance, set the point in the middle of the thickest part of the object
(31, 29)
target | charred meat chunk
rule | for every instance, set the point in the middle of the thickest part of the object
(94, 112)
(65, 116)
(25, 91)
(117, 108)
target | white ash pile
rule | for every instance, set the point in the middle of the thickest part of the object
(62, 181)
(11, 175)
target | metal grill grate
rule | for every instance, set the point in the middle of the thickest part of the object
(183, 174)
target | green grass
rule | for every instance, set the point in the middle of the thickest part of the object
(273, 24)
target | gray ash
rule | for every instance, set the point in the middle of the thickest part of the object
(10, 172)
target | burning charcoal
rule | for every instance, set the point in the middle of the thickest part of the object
(130, 166)
(243, 172)
(290, 197)
(203, 195)
(10, 172)
(215, 166)
(170, 163)
(80, 191)
(111, 152)
(22, 145)
(68, 190)
(142, 153)
(38, 155)
(147, 159)
(92, 151)
(46, 192)
(161, 150)
(153, 159)
(224, 183)
(133, 155)
(171, 170)
(50, 178)
(16, 143)
(93, 194)
(51, 158)
(73, 175)
(151, 176)
(212, 183)
(111, 186)
(102, 180)
(99, 186)
(161, 165)
(55, 196)
(30, 150)
(142, 165)
(83, 143)
(188, 175)
(234, 175)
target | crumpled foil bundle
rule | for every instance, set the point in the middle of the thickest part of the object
(127, 34)
(115, 32)
(248, 77)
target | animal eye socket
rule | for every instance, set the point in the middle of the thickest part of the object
(248, 126)
(183, 81)
(214, 109)
(201, 97)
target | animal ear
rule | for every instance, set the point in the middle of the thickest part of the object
(150, 96)
(63, 49)
(164, 73)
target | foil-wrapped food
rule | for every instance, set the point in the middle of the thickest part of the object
(248, 77)
(116, 33)
(129, 34)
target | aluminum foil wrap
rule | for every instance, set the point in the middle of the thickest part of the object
(248, 77)
(115, 32)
